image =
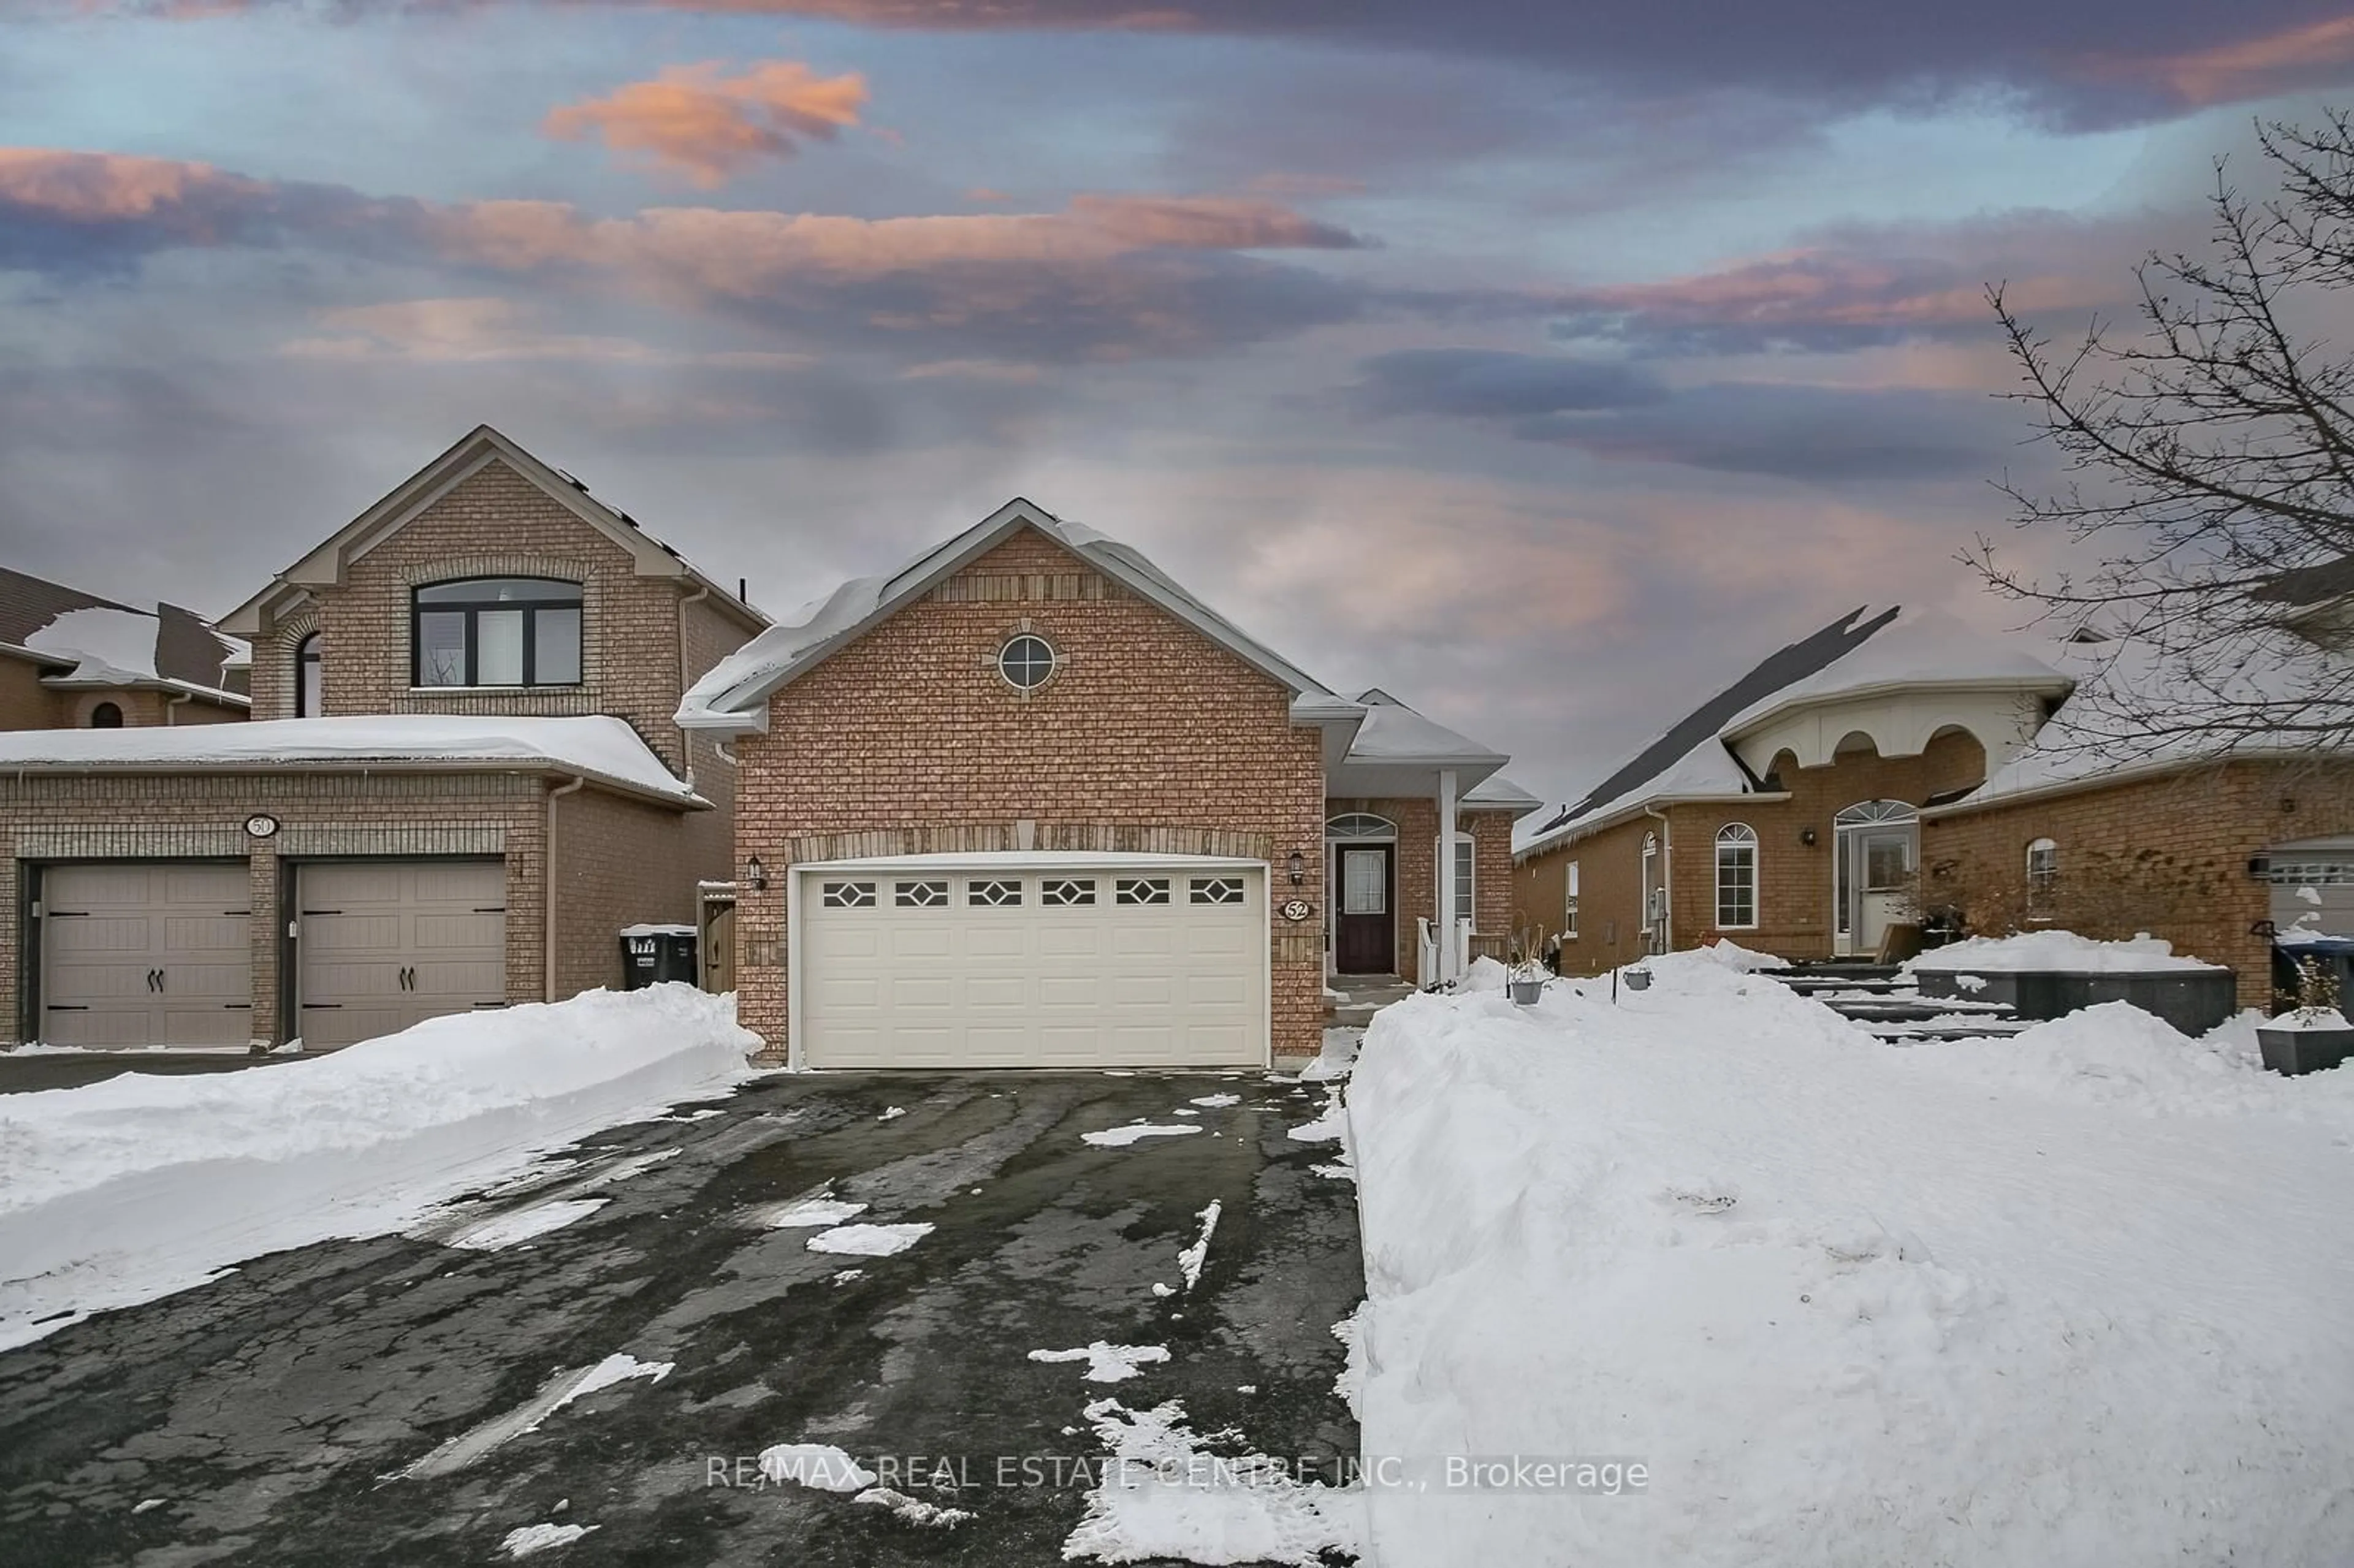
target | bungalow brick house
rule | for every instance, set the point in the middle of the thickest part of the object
(70, 660)
(460, 779)
(1895, 765)
(1026, 801)
(1785, 814)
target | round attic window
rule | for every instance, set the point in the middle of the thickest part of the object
(1026, 662)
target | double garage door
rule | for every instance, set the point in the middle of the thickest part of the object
(975, 962)
(159, 953)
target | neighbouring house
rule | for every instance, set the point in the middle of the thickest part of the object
(462, 778)
(1785, 812)
(1026, 801)
(2124, 815)
(70, 660)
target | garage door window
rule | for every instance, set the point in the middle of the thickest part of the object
(1218, 890)
(993, 895)
(1141, 890)
(849, 896)
(920, 894)
(1067, 893)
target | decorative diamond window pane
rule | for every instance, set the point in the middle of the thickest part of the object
(993, 894)
(1218, 890)
(1141, 890)
(848, 895)
(920, 894)
(1066, 892)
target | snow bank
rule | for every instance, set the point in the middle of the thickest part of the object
(1998, 1302)
(2063, 950)
(1747, 960)
(122, 1191)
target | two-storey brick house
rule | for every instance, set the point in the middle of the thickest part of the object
(462, 778)
(1027, 801)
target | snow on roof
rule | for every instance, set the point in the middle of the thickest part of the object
(1708, 769)
(1393, 732)
(1498, 791)
(2135, 709)
(598, 746)
(1917, 648)
(733, 691)
(116, 645)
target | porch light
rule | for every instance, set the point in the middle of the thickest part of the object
(1298, 869)
(1805, 835)
(755, 876)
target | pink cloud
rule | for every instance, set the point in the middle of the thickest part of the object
(696, 120)
(2315, 55)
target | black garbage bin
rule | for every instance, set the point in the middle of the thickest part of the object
(652, 954)
(2335, 954)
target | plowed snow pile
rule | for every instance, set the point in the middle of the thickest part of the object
(2079, 1297)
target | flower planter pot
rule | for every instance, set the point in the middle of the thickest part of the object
(2300, 1050)
(1526, 991)
(1639, 980)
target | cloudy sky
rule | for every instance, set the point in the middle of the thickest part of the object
(1543, 364)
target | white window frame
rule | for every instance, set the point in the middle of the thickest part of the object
(2042, 876)
(1569, 903)
(1467, 874)
(1741, 840)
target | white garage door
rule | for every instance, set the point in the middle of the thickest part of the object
(385, 943)
(2313, 888)
(1030, 962)
(146, 953)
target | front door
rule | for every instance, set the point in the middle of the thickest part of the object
(1364, 932)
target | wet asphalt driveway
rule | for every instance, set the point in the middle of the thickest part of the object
(266, 1417)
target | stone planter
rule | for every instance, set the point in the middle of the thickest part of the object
(2193, 1001)
(1526, 991)
(1639, 980)
(2299, 1051)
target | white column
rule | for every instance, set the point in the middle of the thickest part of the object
(1450, 945)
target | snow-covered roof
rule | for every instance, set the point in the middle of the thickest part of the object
(1917, 648)
(733, 696)
(603, 749)
(85, 640)
(1498, 791)
(1393, 732)
(2136, 710)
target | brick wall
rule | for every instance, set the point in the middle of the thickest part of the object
(1794, 879)
(25, 703)
(616, 864)
(2177, 848)
(1150, 736)
(495, 522)
(53, 818)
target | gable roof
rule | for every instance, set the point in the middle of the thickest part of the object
(83, 640)
(1691, 758)
(734, 695)
(324, 565)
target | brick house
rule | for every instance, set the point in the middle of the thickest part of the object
(70, 660)
(460, 779)
(1785, 814)
(1027, 801)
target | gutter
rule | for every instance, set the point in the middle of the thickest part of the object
(548, 888)
(686, 741)
(1562, 838)
(172, 707)
(364, 766)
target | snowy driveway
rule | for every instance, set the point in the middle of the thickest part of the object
(416, 1399)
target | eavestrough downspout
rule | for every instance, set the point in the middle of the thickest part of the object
(172, 707)
(547, 890)
(685, 740)
(1667, 883)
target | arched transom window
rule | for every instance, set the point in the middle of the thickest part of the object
(1360, 825)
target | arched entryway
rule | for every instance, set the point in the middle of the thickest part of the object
(1876, 851)
(1360, 894)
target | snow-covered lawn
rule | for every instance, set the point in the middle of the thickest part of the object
(122, 1191)
(2076, 1297)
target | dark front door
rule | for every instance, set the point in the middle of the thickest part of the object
(1365, 931)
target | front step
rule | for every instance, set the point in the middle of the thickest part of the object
(1886, 1004)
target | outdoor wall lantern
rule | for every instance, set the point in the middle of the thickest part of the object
(1805, 835)
(1298, 869)
(755, 876)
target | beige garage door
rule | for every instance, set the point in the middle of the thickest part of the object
(146, 953)
(385, 943)
(972, 962)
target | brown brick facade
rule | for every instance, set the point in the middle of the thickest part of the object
(1149, 737)
(1794, 879)
(2168, 855)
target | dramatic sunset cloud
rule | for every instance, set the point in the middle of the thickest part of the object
(699, 121)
